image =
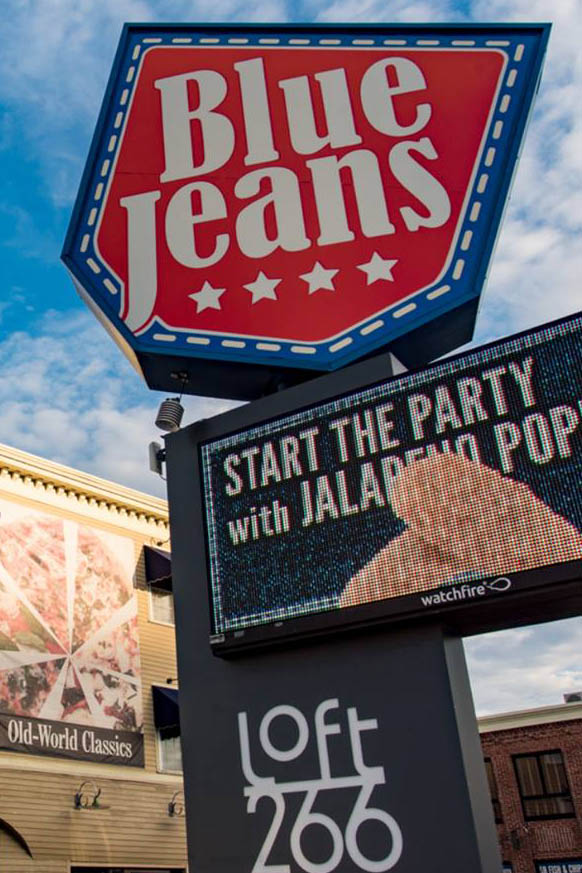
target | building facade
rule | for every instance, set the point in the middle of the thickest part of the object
(534, 766)
(90, 767)
(90, 759)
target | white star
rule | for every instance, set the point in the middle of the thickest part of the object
(262, 288)
(207, 297)
(319, 278)
(378, 268)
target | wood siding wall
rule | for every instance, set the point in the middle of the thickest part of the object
(37, 792)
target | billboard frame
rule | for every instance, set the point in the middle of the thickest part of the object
(549, 592)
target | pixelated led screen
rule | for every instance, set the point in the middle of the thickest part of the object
(431, 487)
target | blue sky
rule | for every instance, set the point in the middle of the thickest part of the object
(69, 395)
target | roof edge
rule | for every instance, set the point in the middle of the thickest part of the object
(40, 472)
(504, 721)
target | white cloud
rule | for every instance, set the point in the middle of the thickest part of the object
(55, 59)
(55, 88)
(535, 272)
(69, 395)
(535, 278)
(70, 47)
(526, 667)
(409, 11)
(536, 269)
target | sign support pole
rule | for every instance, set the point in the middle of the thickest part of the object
(352, 752)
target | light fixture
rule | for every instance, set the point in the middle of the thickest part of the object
(170, 413)
(517, 837)
(87, 796)
(157, 456)
(176, 805)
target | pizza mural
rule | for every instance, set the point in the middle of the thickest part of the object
(70, 679)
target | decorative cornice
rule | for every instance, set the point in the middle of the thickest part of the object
(39, 479)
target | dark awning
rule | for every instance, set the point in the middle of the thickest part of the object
(158, 567)
(166, 711)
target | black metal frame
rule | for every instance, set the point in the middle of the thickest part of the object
(540, 595)
(548, 795)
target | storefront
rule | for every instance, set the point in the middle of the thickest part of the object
(573, 865)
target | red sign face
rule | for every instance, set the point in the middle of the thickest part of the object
(284, 194)
(289, 200)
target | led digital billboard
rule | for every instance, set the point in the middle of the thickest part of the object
(438, 488)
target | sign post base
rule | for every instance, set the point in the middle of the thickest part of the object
(352, 752)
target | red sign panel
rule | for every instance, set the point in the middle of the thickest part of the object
(298, 198)
(295, 206)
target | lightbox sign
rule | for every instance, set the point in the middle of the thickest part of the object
(439, 488)
(260, 196)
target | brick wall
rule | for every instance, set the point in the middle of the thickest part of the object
(524, 842)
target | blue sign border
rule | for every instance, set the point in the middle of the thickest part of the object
(524, 47)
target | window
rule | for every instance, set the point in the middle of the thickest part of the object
(170, 752)
(167, 722)
(161, 605)
(493, 790)
(543, 785)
